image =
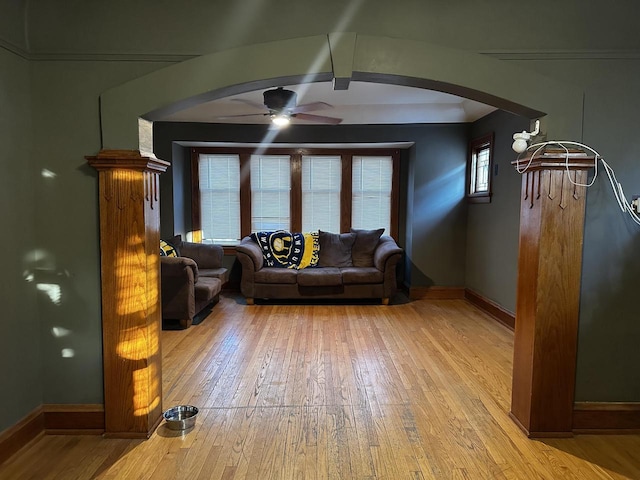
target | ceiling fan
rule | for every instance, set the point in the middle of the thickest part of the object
(281, 105)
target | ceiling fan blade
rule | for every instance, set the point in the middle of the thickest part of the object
(310, 107)
(224, 117)
(251, 103)
(318, 118)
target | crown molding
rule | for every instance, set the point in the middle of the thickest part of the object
(110, 57)
(94, 57)
(181, 57)
(563, 54)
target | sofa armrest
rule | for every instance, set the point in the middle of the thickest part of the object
(206, 255)
(178, 276)
(386, 249)
(251, 260)
(251, 250)
(385, 258)
(179, 269)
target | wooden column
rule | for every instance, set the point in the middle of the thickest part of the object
(130, 271)
(548, 298)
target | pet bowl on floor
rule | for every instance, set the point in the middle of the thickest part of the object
(181, 417)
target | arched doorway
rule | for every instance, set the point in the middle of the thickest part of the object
(129, 110)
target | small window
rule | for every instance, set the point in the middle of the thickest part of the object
(480, 166)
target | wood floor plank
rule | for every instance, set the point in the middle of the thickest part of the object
(419, 390)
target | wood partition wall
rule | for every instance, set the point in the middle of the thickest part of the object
(129, 191)
(548, 296)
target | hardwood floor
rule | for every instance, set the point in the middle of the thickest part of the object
(417, 390)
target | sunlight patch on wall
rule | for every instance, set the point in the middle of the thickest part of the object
(68, 353)
(46, 173)
(53, 291)
(59, 332)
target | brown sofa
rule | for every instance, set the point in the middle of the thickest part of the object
(190, 281)
(369, 273)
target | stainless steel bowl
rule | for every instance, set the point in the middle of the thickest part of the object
(181, 417)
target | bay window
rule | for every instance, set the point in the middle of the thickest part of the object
(237, 191)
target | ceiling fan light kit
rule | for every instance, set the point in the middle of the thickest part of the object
(282, 106)
(280, 120)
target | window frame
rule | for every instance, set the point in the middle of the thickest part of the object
(480, 143)
(295, 155)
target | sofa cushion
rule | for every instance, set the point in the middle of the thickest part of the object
(364, 246)
(335, 249)
(275, 275)
(320, 277)
(205, 289)
(360, 275)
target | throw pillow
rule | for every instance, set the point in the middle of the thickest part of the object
(335, 249)
(364, 246)
(167, 250)
(288, 250)
(176, 242)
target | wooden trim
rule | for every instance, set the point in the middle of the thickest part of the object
(395, 196)
(17, 436)
(128, 160)
(245, 194)
(295, 197)
(52, 420)
(74, 419)
(507, 318)
(442, 293)
(346, 193)
(196, 219)
(606, 417)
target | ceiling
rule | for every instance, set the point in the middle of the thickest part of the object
(362, 103)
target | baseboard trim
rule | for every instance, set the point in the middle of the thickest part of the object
(606, 417)
(17, 436)
(85, 419)
(52, 419)
(443, 293)
(505, 317)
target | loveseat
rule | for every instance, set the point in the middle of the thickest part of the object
(358, 264)
(191, 278)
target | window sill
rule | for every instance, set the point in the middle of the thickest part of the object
(479, 198)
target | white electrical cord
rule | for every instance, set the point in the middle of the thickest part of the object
(618, 192)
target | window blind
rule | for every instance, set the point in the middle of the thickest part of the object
(321, 180)
(219, 177)
(270, 192)
(371, 192)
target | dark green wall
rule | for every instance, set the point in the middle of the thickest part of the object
(492, 228)
(23, 259)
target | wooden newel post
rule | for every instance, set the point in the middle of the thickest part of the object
(131, 317)
(548, 298)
